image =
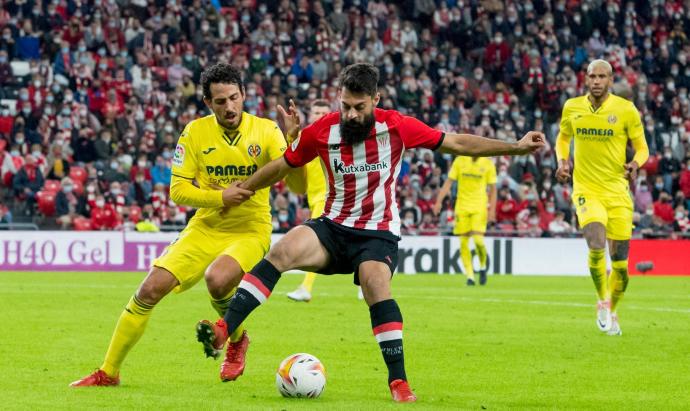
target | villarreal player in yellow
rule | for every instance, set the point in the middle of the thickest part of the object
(226, 236)
(316, 197)
(601, 125)
(474, 207)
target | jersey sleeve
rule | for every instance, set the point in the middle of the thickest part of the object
(303, 149)
(454, 173)
(566, 127)
(491, 173)
(415, 133)
(184, 162)
(633, 124)
(275, 141)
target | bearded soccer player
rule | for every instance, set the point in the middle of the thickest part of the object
(316, 196)
(475, 175)
(361, 148)
(602, 124)
(226, 237)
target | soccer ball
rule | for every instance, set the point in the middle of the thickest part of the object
(301, 376)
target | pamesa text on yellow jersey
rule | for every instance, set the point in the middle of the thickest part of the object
(213, 155)
(601, 138)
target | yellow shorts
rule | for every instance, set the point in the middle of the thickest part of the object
(615, 212)
(470, 221)
(317, 208)
(197, 246)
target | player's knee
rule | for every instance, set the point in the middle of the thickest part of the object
(150, 293)
(281, 257)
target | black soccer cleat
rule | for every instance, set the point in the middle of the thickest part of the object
(470, 282)
(482, 277)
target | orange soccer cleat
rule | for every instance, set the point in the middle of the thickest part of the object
(97, 379)
(401, 392)
(233, 365)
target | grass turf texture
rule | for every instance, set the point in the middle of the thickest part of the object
(520, 342)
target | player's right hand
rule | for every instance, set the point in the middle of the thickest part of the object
(563, 172)
(436, 209)
(290, 118)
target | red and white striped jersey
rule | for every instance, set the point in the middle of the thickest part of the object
(362, 177)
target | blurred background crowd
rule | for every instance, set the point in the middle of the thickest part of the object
(93, 95)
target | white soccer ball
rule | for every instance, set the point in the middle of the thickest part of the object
(301, 376)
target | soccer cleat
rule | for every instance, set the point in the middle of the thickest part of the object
(300, 294)
(401, 392)
(470, 282)
(212, 336)
(97, 379)
(233, 365)
(604, 315)
(615, 328)
(482, 277)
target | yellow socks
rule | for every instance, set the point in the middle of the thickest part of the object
(221, 306)
(130, 327)
(308, 281)
(597, 269)
(466, 257)
(618, 282)
(481, 249)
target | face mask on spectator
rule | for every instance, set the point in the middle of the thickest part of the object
(659, 186)
(409, 221)
(100, 203)
(168, 128)
(24, 96)
(644, 188)
(26, 110)
(67, 189)
(36, 153)
(282, 218)
(115, 191)
(114, 165)
(3, 59)
(166, 155)
(14, 153)
(679, 215)
(173, 114)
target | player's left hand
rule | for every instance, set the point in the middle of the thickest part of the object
(291, 120)
(631, 171)
(531, 142)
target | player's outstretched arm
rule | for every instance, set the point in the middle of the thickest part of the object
(443, 192)
(267, 175)
(477, 146)
(563, 157)
(183, 192)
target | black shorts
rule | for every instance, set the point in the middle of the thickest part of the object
(349, 247)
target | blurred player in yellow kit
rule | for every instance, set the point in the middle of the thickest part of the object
(316, 197)
(602, 124)
(226, 236)
(474, 207)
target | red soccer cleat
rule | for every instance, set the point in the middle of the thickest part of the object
(98, 379)
(401, 392)
(233, 365)
(212, 336)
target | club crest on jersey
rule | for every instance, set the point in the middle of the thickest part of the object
(178, 157)
(254, 150)
(383, 140)
(612, 119)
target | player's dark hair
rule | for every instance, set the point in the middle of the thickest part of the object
(360, 78)
(320, 103)
(220, 73)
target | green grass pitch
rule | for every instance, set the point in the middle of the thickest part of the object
(518, 343)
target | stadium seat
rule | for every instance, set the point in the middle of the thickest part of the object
(82, 224)
(78, 174)
(134, 213)
(46, 202)
(51, 186)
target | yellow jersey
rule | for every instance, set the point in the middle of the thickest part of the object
(212, 155)
(601, 138)
(316, 182)
(473, 177)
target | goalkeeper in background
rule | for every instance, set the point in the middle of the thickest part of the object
(601, 125)
(474, 207)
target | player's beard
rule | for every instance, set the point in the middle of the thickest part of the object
(353, 132)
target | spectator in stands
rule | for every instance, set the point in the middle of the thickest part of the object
(658, 187)
(663, 208)
(559, 227)
(57, 166)
(643, 197)
(114, 172)
(6, 75)
(103, 147)
(681, 223)
(103, 216)
(27, 182)
(684, 182)
(428, 226)
(66, 204)
(408, 225)
(669, 168)
(161, 172)
(140, 190)
(506, 207)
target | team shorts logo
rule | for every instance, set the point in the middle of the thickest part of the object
(178, 157)
(254, 150)
(612, 119)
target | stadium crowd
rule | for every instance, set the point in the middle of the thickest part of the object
(94, 94)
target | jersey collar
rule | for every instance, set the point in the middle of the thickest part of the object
(232, 136)
(603, 104)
